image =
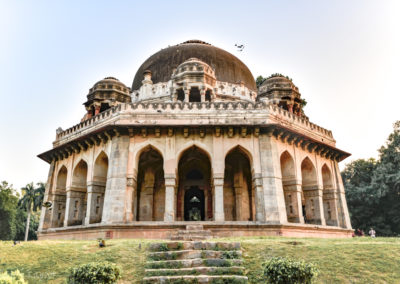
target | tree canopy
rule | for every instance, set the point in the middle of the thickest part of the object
(373, 189)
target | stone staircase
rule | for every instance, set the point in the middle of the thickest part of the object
(194, 262)
(192, 233)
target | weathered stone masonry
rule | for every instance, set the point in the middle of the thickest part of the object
(238, 163)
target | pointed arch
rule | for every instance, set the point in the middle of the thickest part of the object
(289, 185)
(328, 196)
(59, 198)
(61, 184)
(194, 184)
(310, 198)
(150, 197)
(239, 194)
(78, 194)
(200, 146)
(98, 188)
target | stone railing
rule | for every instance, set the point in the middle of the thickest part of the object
(161, 107)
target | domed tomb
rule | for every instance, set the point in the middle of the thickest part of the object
(228, 68)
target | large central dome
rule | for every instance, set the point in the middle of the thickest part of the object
(228, 68)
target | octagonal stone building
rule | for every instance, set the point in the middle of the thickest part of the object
(194, 142)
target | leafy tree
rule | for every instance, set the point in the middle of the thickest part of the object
(260, 80)
(31, 200)
(357, 178)
(8, 210)
(373, 188)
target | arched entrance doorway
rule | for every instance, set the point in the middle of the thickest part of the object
(194, 200)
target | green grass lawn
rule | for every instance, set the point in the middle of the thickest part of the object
(357, 260)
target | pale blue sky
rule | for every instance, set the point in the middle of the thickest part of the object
(343, 55)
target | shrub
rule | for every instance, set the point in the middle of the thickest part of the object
(287, 271)
(15, 277)
(102, 272)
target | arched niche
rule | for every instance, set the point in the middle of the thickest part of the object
(310, 198)
(238, 188)
(78, 195)
(150, 198)
(59, 198)
(194, 95)
(289, 185)
(194, 199)
(98, 187)
(329, 197)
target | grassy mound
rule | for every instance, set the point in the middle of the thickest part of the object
(358, 260)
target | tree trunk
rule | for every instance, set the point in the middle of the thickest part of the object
(28, 220)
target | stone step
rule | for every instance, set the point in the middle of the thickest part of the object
(194, 227)
(191, 254)
(196, 279)
(200, 270)
(169, 246)
(190, 238)
(195, 262)
(194, 232)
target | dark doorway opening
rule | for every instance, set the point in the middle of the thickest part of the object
(194, 204)
(194, 95)
(181, 95)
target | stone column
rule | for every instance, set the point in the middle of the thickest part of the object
(237, 186)
(292, 191)
(219, 215)
(314, 206)
(131, 181)
(274, 201)
(131, 187)
(330, 207)
(114, 200)
(344, 216)
(259, 198)
(45, 215)
(187, 93)
(203, 95)
(95, 199)
(170, 198)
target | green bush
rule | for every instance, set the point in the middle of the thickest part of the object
(94, 273)
(287, 271)
(15, 277)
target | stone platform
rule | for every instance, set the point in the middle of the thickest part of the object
(165, 230)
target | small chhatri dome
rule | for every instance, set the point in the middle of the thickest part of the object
(228, 68)
(280, 90)
(105, 94)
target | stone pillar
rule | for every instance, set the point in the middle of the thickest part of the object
(274, 201)
(96, 109)
(95, 200)
(330, 207)
(314, 206)
(131, 187)
(114, 200)
(237, 186)
(219, 215)
(344, 217)
(294, 208)
(75, 210)
(202, 95)
(187, 93)
(58, 209)
(170, 198)
(131, 181)
(259, 198)
(147, 196)
(45, 215)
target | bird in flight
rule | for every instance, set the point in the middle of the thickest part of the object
(240, 47)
